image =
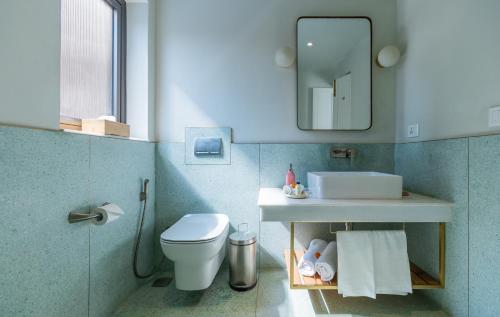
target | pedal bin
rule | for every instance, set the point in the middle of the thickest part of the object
(242, 259)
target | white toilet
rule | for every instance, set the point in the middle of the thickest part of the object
(197, 246)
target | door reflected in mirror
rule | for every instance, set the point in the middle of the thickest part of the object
(334, 73)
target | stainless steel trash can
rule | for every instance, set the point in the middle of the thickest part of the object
(242, 259)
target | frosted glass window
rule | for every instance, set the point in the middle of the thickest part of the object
(89, 59)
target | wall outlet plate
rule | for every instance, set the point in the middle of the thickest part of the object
(494, 117)
(413, 130)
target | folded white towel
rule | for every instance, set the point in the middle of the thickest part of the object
(306, 263)
(392, 267)
(373, 262)
(355, 264)
(326, 265)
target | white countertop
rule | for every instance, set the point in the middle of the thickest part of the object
(274, 206)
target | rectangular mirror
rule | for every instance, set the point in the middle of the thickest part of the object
(334, 73)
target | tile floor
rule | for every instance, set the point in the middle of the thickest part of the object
(270, 298)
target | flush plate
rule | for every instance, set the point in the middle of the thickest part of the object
(207, 146)
(221, 138)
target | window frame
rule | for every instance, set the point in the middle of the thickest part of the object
(119, 84)
(119, 104)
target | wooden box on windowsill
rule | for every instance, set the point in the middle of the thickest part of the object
(105, 127)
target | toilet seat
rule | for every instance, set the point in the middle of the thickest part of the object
(196, 229)
(187, 242)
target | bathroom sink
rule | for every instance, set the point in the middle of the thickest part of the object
(354, 185)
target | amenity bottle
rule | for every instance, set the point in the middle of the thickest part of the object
(290, 176)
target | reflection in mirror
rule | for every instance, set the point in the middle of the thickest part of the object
(334, 73)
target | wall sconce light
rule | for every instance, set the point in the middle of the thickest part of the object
(284, 57)
(388, 56)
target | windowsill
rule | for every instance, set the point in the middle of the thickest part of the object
(103, 135)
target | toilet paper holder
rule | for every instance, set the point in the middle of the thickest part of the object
(75, 216)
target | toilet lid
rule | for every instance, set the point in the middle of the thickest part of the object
(196, 228)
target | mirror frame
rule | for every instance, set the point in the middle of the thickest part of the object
(297, 68)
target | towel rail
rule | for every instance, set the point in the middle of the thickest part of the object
(349, 226)
(74, 217)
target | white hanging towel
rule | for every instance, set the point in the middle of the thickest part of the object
(392, 267)
(326, 266)
(306, 263)
(355, 264)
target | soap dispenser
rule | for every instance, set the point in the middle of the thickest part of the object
(290, 176)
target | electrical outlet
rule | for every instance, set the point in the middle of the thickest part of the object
(494, 117)
(413, 130)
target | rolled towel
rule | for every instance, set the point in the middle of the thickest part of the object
(326, 265)
(306, 263)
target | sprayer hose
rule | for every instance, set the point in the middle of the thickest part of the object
(136, 247)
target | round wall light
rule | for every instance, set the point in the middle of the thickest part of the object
(388, 56)
(284, 57)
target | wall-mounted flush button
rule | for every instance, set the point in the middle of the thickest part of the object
(207, 146)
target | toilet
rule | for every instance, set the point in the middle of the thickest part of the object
(196, 244)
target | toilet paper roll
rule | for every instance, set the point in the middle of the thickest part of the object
(109, 212)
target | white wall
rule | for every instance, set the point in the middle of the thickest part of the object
(29, 63)
(216, 68)
(450, 74)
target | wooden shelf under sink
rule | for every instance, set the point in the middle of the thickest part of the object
(420, 279)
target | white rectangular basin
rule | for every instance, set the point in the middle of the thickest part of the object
(354, 185)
